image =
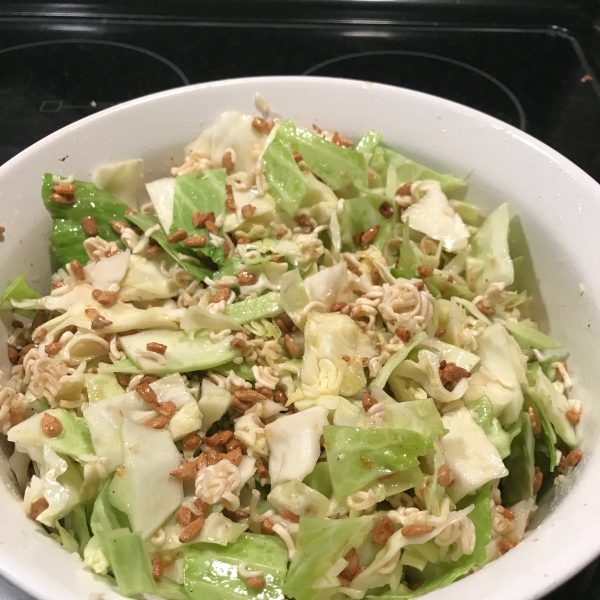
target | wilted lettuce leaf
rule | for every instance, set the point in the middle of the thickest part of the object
(73, 441)
(67, 234)
(518, 484)
(336, 166)
(552, 404)
(319, 544)
(145, 222)
(211, 571)
(529, 337)
(482, 412)
(195, 193)
(254, 308)
(361, 213)
(356, 457)
(490, 260)
(396, 169)
(438, 575)
(286, 183)
(130, 562)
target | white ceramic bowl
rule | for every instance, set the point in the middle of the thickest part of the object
(557, 203)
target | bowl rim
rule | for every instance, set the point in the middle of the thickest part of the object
(577, 561)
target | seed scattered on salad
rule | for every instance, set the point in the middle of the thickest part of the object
(445, 476)
(185, 471)
(257, 582)
(259, 124)
(89, 225)
(118, 226)
(37, 508)
(486, 310)
(106, 298)
(61, 198)
(66, 189)
(285, 385)
(51, 426)
(157, 423)
(404, 189)
(195, 241)
(387, 210)
(424, 270)
(156, 347)
(76, 269)
(158, 568)
(53, 348)
(146, 392)
(574, 457)
(192, 531)
(177, 236)
(505, 545)
(227, 162)
(508, 514)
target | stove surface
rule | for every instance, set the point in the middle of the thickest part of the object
(58, 68)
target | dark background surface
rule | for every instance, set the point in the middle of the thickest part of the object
(524, 62)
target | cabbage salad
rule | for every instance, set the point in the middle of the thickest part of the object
(296, 367)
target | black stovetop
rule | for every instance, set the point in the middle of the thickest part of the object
(530, 63)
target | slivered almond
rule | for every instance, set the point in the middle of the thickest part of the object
(157, 423)
(156, 347)
(185, 471)
(192, 531)
(76, 269)
(62, 199)
(266, 527)
(288, 515)
(218, 439)
(191, 441)
(37, 508)
(227, 162)
(184, 516)
(90, 227)
(177, 236)
(416, 530)
(368, 401)
(292, 348)
(118, 226)
(195, 241)
(246, 395)
(158, 567)
(100, 323)
(212, 457)
(234, 456)
(66, 189)
(53, 348)
(383, 531)
(166, 409)
(147, 393)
